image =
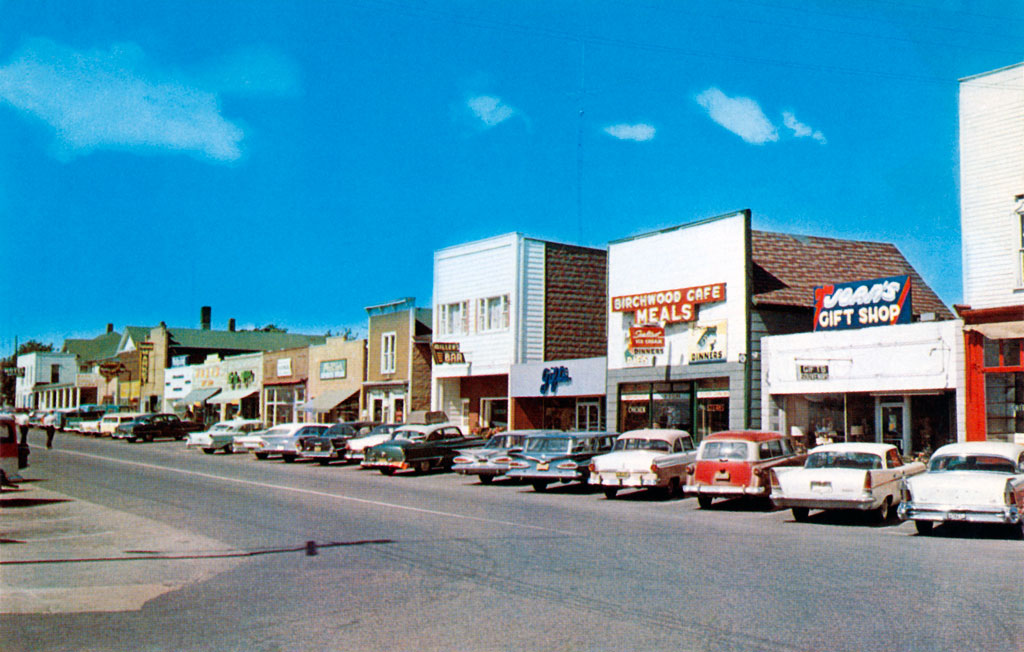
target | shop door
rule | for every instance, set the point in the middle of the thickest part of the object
(712, 416)
(399, 410)
(892, 424)
(378, 410)
(588, 415)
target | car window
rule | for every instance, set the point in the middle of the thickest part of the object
(727, 450)
(677, 447)
(787, 447)
(764, 451)
(843, 460)
(893, 459)
(971, 463)
(547, 444)
(775, 446)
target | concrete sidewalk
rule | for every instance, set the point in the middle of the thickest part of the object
(62, 555)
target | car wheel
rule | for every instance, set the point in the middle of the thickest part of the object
(387, 471)
(609, 492)
(704, 502)
(884, 512)
(132, 440)
(486, 479)
(800, 513)
(540, 486)
(228, 449)
(423, 466)
(288, 458)
(672, 490)
(924, 528)
(1017, 530)
(148, 437)
(261, 456)
(323, 462)
(209, 451)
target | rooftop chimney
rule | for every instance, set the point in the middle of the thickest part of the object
(231, 324)
(204, 317)
(110, 328)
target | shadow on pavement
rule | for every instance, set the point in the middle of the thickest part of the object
(29, 502)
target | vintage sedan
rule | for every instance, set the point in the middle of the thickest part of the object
(355, 446)
(644, 459)
(148, 427)
(283, 440)
(738, 463)
(491, 460)
(972, 482)
(418, 447)
(221, 436)
(562, 457)
(855, 476)
(110, 422)
(331, 445)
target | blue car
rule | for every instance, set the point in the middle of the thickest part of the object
(559, 457)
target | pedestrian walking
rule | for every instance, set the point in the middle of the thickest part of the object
(50, 431)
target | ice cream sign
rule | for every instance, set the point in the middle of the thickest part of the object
(879, 302)
(668, 306)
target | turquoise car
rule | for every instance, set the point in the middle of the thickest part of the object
(563, 457)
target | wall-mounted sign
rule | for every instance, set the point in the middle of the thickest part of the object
(707, 342)
(879, 302)
(110, 369)
(668, 306)
(333, 369)
(284, 367)
(239, 380)
(647, 340)
(179, 360)
(812, 371)
(448, 353)
(552, 377)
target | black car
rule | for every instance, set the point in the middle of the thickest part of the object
(331, 445)
(148, 427)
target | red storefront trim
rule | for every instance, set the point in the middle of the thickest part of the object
(975, 371)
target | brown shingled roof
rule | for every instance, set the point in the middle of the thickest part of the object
(787, 268)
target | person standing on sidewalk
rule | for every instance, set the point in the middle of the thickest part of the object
(50, 431)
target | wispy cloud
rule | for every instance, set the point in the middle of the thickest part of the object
(115, 99)
(638, 132)
(800, 130)
(740, 115)
(490, 110)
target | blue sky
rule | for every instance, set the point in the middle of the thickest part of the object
(295, 162)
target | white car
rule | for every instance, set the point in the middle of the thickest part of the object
(90, 427)
(110, 422)
(644, 459)
(858, 476)
(973, 482)
(283, 439)
(356, 446)
(221, 436)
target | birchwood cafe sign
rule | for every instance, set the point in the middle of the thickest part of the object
(668, 306)
(879, 302)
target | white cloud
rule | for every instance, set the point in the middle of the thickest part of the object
(638, 132)
(800, 130)
(740, 115)
(490, 110)
(110, 99)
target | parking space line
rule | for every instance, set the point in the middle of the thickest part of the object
(312, 492)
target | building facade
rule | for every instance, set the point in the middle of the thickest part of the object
(285, 375)
(399, 361)
(504, 301)
(47, 380)
(992, 231)
(336, 372)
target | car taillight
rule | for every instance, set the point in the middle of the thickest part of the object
(505, 459)
(463, 460)
(690, 469)
(592, 467)
(567, 466)
(775, 481)
(1008, 492)
(905, 495)
(867, 481)
(654, 467)
(518, 465)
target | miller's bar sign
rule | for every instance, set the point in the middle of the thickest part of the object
(448, 353)
(879, 302)
(668, 306)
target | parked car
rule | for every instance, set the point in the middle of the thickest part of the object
(283, 440)
(221, 436)
(858, 476)
(84, 413)
(111, 420)
(147, 427)
(418, 447)
(332, 445)
(491, 460)
(739, 463)
(355, 447)
(972, 482)
(563, 457)
(644, 459)
(248, 443)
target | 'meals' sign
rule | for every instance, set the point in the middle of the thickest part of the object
(668, 306)
(880, 302)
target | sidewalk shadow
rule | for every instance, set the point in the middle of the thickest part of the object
(30, 502)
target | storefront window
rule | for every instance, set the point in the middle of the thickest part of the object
(494, 412)
(657, 405)
(283, 403)
(1004, 405)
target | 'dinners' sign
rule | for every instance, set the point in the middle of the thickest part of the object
(879, 302)
(668, 306)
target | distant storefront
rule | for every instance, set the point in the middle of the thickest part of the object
(558, 394)
(285, 374)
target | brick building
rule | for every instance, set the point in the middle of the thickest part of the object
(502, 305)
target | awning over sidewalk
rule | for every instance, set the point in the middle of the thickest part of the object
(328, 400)
(199, 395)
(233, 396)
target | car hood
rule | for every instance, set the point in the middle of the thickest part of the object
(959, 487)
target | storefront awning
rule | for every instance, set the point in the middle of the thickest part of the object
(328, 400)
(233, 396)
(199, 395)
(1006, 330)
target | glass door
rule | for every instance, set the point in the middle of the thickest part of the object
(892, 424)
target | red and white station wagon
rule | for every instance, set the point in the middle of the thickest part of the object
(738, 463)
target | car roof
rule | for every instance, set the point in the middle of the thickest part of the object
(663, 434)
(1008, 450)
(426, 428)
(575, 434)
(745, 435)
(854, 447)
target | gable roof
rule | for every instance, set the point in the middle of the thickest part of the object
(787, 268)
(98, 348)
(194, 338)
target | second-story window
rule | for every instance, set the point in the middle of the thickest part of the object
(55, 373)
(453, 318)
(492, 314)
(387, 353)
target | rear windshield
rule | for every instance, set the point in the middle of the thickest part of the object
(843, 460)
(636, 444)
(277, 432)
(725, 450)
(971, 463)
(547, 444)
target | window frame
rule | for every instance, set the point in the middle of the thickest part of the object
(388, 354)
(485, 319)
(445, 323)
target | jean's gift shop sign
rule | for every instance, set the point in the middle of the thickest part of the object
(861, 304)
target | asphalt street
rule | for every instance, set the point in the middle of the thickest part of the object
(117, 546)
